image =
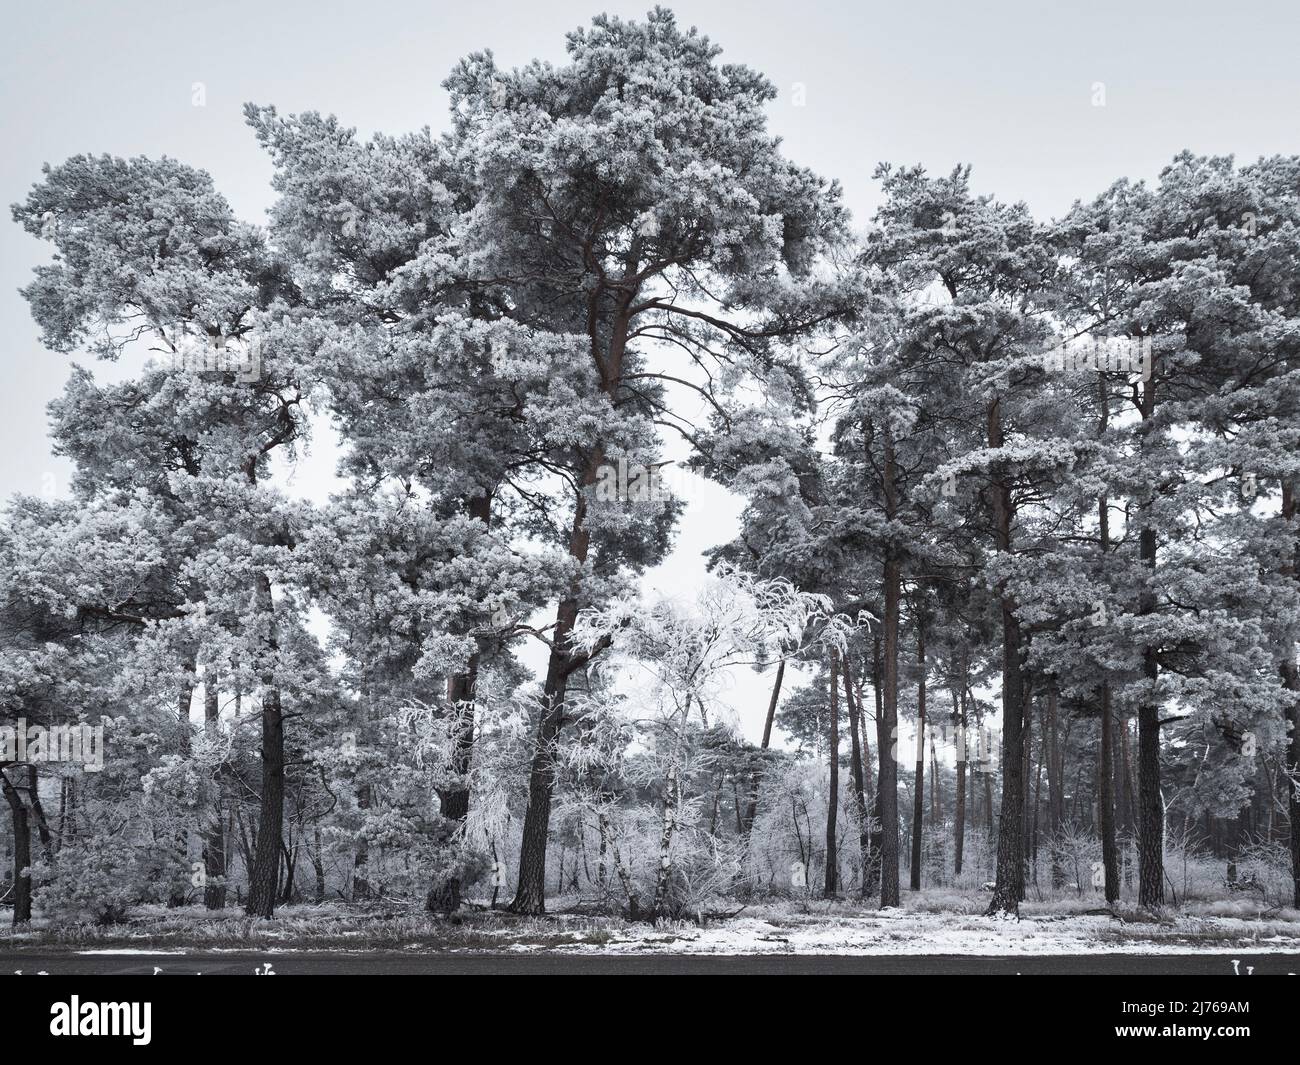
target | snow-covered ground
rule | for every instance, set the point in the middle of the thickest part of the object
(904, 932)
(932, 922)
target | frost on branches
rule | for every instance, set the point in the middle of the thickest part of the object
(992, 620)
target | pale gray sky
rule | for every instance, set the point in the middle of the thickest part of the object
(1007, 86)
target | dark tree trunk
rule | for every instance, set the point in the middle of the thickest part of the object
(444, 895)
(1106, 774)
(1009, 886)
(877, 829)
(717, 804)
(859, 784)
(317, 855)
(43, 832)
(290, 855)
(936, 800)
(959, 813)
(1038, 805)
(625, 878)
(1293, 767)
(361, 859)
(1106, 798)
(987, 773)
(918, 793)
(1026, 774)
(1291, 681)
(1055, 786)
(1237, 833)
(530, 894)
(264, 876)
(214, 837)
(833, 801)
(602, 874)
(183, 747)
(1151, 811)
(1293, 771)
(68, 830)
(22, 889)
(454, 800)
(887, 722)
(65, 827)
(751, 811)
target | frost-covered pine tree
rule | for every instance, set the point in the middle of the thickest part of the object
(632, 201)
(149, 256)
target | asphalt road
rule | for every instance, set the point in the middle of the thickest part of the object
(69, 963)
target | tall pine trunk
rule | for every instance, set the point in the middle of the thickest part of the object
(1151, 807)
(887, 722)
(833, 800)
(184, 697)
(1055, 785)
(918, 794)
(1293, 772)
(214, 836)
(264, 877)
(959, 813)
(1106, 798)
(530, 895)
(316, 854)
(986, 742)
(859, 783)
(877, 825)
(936, 800)
(1009, 880)
(1030, 812)
(1106, 781)
(1291, 681)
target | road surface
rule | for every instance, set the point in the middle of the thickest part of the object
(68, 962)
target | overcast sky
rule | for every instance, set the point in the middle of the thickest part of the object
(1010, 87)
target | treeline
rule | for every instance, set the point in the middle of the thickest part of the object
(1025, 488)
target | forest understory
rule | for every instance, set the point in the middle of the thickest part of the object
(1210, 916)
(931, 922)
